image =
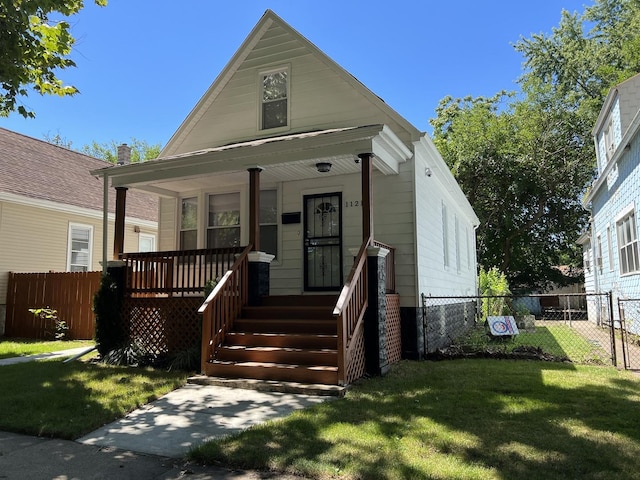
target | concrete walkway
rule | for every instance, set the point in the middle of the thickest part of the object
(150, 442)
(186, 417)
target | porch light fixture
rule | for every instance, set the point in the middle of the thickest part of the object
(323, 167)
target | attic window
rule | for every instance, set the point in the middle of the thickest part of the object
(274, 99)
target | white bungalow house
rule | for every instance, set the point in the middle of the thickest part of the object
(290, 155)
(610, 247)
(52, 215)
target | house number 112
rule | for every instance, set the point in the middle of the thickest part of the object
(352, 203)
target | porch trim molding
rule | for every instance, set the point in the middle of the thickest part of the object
(387, 149)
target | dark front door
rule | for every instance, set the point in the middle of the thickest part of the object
(323, 242)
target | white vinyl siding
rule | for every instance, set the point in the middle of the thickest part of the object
(445, 235)
(610, 248)
(79, 248)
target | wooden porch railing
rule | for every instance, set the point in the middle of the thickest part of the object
(176, 272)
(223, 306)
(349, 310)
(390, 266)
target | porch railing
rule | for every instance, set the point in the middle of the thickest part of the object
(390, 266)
(223, 306)
(349, 310)
(179, 272)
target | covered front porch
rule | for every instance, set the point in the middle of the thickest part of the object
(160, 287)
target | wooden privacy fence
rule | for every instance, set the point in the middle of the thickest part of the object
(70, 293)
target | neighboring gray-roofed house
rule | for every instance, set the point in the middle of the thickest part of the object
(51, 211)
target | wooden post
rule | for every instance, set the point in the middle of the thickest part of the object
(367, 195)
(121, 208)
(254, 208)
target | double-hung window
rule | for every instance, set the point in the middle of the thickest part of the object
(269, 221)
(223, 227)
(79, 248)
(274, 99)
(189, 224)
(628, 244)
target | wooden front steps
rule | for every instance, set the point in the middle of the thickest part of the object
(286, 339)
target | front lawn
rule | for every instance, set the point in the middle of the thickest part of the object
(19, 347)
(53, 399)
(460, 419)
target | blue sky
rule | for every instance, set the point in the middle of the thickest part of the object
(143, 64)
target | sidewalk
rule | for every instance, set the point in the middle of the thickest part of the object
(150, 442)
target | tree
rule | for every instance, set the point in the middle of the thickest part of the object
(33, 48)
(525, 159)
(141, 151)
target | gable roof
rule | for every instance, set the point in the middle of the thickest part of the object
(39, 170)
(262, 32)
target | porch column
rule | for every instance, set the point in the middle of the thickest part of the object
(375, 320)
(254, 207)
(367, 195)
(121, 208)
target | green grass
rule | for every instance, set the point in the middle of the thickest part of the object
(52, 399)
(561, 341)
(16, 347)
(460, 419)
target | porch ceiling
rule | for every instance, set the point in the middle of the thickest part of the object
(286, 158)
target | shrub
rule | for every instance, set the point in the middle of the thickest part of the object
(110, 333)
(55, 327)
(493, 283)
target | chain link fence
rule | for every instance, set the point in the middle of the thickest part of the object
(580, 328)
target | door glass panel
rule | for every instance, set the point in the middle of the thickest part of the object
(323, 242)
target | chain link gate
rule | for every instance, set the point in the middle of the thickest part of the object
(575, 327)
(628, 332)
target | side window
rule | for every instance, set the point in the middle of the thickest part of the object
(146, 242)
(79, 249)
(223, 226)
(269, 221)
(189, 224)
(274, 99)
(628, 244)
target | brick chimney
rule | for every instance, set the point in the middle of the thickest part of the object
(124, 154)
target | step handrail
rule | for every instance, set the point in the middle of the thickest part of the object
(349, 310)
(224, 305)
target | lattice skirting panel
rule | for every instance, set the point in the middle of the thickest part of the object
(356, 367)
(163, 326)
(394, 340)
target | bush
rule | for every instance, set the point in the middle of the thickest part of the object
(55, 327)
(493, 283)
(110, 333)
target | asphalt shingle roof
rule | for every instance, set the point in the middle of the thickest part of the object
(37, 169)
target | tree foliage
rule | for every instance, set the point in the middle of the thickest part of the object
(33, 48)
(523, 159)
(141, 150)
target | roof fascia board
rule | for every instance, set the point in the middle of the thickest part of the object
(243, 52)
(354, 140)
(218, 84)
(604, 111)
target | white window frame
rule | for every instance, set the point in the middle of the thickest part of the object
(599, 259)
(238, 226)
(262, 74)
(627, 247)
(457, 235)
(146, 236)
(82, 226)
(180, 229)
